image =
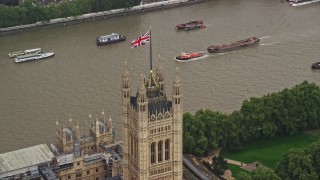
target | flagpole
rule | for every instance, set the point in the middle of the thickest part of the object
(150, 51)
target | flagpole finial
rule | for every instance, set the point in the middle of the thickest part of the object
(159, 56)
(150, 27)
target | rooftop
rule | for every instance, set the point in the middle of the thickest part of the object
(26, 157)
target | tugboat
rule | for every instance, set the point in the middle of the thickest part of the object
(111, 38)
(233, 46)
(185, 56)
(193, 24)
(28, 51)
(315, 65)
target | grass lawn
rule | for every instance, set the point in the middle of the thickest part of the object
(269, 151)
(236, 170)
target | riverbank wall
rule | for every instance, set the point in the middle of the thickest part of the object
(99, 16)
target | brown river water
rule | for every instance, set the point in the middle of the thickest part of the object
(83, 78)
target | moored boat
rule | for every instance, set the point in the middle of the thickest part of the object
(111, 38)
(315, 65)
(233, 46)
(25, 52)
(185, 56)
(193, 24)
(32, 57)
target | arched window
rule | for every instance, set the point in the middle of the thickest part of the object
(135, 148)
(131, 144)
(160, 151)
(167, 149)
(153, 157)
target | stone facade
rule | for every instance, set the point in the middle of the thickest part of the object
(81, 170)
(151, 128)
(87, 157)
(69, 140)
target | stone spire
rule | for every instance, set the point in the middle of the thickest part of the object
(77, 132)
(126, 72)
(160, 76)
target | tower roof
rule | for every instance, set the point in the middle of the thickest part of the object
(23, 159)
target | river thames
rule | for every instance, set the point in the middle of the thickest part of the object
(83, 78)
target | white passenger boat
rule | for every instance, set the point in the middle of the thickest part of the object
(111, 38)
(25, 52)
(32, 57)
(302, 2)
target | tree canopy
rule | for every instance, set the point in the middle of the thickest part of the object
(261, 173)
(31, 11)
(283, 113)
(300, 163)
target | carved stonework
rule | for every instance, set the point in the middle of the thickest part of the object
(152, 129)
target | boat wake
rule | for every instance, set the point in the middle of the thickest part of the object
(265, 37)
(268, 44)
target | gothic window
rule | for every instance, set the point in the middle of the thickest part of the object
(142, 108)
(160, 151)
(135, 148)
(78, 175)
(167, 149)
(153, 157)
(131, 145)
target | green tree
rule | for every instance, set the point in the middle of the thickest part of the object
(296, 164)
(219, 165)
(244, 176)
(263, 173)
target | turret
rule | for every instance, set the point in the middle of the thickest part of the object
(177, 126)
(142, 95)
(126, 87)
(77, 132)
(160, 76)
(57, 129)
(126, 94)
(110, 125)
(176, 92)
(97, 132)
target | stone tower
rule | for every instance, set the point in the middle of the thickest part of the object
(65, 137)
(101, 130)
(100, 134)
(151, 128)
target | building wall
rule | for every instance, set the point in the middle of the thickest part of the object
(95, 171)
(152, 144)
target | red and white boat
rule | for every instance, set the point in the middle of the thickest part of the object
(185, 56)
(193, 24)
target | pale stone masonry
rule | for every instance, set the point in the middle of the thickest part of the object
(90, 157)
(151, 128)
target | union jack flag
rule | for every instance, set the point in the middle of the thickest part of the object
(142, 40)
